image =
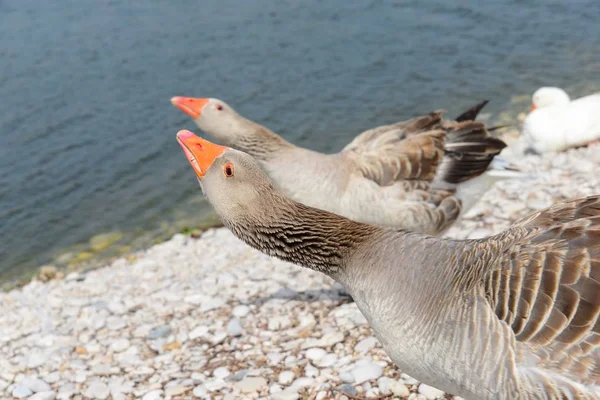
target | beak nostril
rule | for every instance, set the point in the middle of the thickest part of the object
(199, 146)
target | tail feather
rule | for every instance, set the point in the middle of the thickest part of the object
(471, 113)
(469, 150)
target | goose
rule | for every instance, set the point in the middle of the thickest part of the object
(402, 175)
(511, 316)
(556, 123)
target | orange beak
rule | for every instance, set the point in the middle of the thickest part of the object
(189, 105)
(533, 107)
(200, 152)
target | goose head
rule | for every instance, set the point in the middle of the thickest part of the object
(214, 117)
(232, 180)
(549, 97)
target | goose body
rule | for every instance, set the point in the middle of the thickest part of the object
(511, 316)
(403, 175)
(557, 123)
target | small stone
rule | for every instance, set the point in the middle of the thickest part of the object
(315, 354)
(430, 392)
(288, 394)
(215, 384)
(311, 371)
(120, 345)
(365, 345)
(175, 390)
(327, 361)
(36, 385)
(234, 327)
(221, 373)
(347, 377)
(153, 395)
(239, 375)
(52, 377)
(172, 346)
(47, 273)
(303, 382)
(366, 371)
(200, 391)
(391, 386)
(240, 311)
(349, 390)
(408, 380)
(211, 304)
(286, 377)
(198, 332)
(21, 392)
(101, 370)
(159, 332)
(49, 395)
(331, 338)
(67, 391)
(97, 390)
(251, 384)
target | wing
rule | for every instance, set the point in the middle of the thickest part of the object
(546, 286)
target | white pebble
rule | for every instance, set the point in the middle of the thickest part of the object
(240, 311)
(153, 395)
(221, 372)
(97, 390)
(198, 332)
(315, 354)
(251, 384)
(286, 377)
(430, 392)
(365, 345)
(49, 395)
(366, 371)
(21, 392)
(120, 345)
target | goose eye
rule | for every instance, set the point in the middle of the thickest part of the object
(228, 170)
(219, 107)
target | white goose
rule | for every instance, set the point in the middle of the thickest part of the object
(556, 123)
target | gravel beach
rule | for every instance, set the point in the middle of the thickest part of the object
(212, 318)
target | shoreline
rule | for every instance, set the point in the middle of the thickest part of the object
(212, 318)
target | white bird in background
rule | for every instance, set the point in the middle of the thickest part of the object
(556, 123)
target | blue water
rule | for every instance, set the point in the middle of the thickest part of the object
(87, 131)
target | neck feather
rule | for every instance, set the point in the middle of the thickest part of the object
(302, 235)
(260, 142)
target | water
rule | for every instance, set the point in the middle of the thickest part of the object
(87, 131)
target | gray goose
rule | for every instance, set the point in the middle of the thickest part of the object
(511, 316)
(403, 175)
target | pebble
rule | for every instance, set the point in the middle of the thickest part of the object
(159, 332)
(240, 311)
(221, 373)
(251, 384)
(97, 390)
(429, 392)
(365, 345)
(366, 371)
(120, 345)
(234, 327)
(49, 395)
(36, 385)
(200, 391)
(212, 385)
(21, 392)
(175, 390)
(347, 377)
(153, 395)
(349, 390)
(315, 354)
(286, 377)
(198, 332)
(408, 380)
(391, 386)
